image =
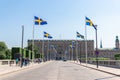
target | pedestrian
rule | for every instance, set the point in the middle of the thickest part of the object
(17, 61)
(80, 61)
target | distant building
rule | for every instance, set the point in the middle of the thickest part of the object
(60, 49)
(70, 49)
(109, 53)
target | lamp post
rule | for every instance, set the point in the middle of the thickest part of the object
(22, 46)
(96, 52)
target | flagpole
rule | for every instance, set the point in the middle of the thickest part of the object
(33, 44)
(86, 42)
(22, 45)
(76, 49)
(43, 55)
(69, 52)
(48, 50)
(72, 50)
(96, 47)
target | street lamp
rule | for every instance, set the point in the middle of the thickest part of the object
(22, 46)
(96, 52)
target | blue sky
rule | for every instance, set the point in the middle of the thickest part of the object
(64, 18)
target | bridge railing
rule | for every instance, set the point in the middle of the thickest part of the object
(7, 62)
(110, 63)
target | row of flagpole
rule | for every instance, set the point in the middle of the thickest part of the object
(88, 22)
(38, 21)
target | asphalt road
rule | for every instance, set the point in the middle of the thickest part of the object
(60, 70)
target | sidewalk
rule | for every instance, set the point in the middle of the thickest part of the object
(109, 70)
(7, 69)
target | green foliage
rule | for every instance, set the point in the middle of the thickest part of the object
(100, 58)
(117, 56)
(8, 54)
(94, 59)
(35, 48)
(4, 52)
(3, 46)
(41, 56)
(16, 51)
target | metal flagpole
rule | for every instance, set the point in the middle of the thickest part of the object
(76, 49)
(96, 47)
(22, 46)
(86, 42)
(69, 52)
(43, 55)
(72, 50)
(33, 44)
(48, 50)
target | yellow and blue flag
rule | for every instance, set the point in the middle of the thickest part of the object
(79, 35)
(39, 21)
(47, 35)
(50, 37)
(90, 23)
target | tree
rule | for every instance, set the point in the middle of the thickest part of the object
(30, 48)
(8, 54)
(35, 49)
(3, 49)
(3, 46)
(2, 55)
(117, 56)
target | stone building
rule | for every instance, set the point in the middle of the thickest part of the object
(64, 49)
(109, 53)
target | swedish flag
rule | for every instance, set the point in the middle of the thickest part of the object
(39, 21)
(50, 37)
(90, 23)
(47, 35)
(79, 35)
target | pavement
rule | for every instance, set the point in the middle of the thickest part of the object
(109, 70)
(7, 69)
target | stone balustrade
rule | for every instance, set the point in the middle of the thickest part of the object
(110, 63)
(7, 62)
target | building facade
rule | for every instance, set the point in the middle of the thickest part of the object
(64, 49)
(110, 53)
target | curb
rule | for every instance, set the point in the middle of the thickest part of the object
(99, 70)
